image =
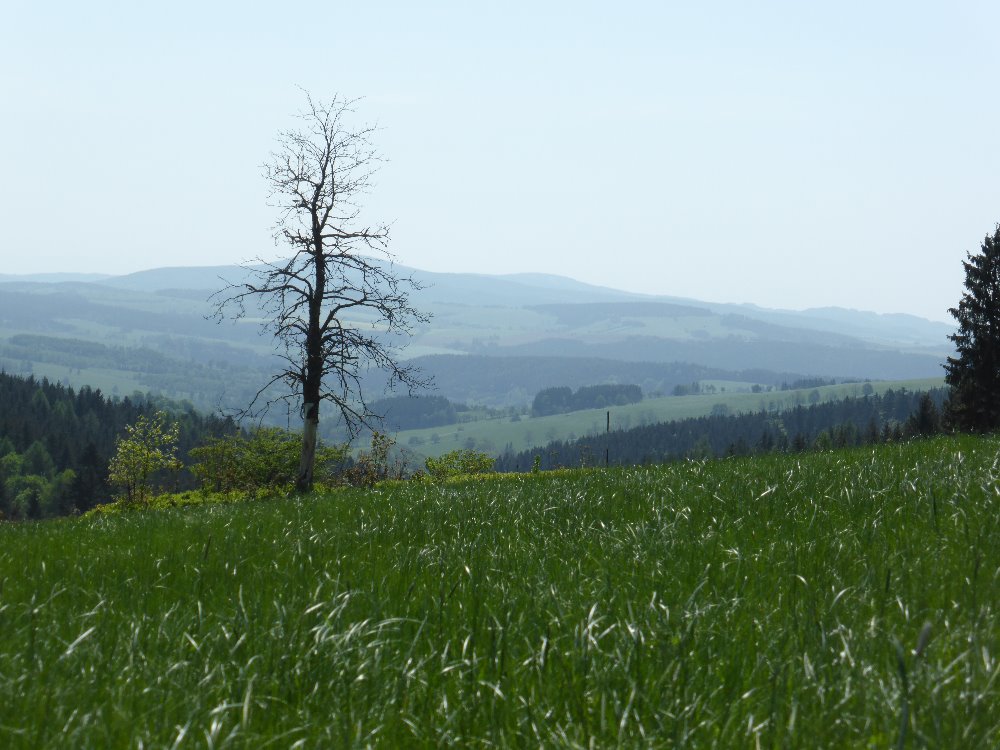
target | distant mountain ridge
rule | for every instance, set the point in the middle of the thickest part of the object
(167, 310)
(538, 288)
(53, 278)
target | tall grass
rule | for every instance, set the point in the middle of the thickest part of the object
(844, 599)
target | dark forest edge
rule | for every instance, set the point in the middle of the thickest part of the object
(852, 421)
(56, 445)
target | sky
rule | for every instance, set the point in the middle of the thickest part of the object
(786, 154)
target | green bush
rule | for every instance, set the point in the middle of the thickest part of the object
(171, 500)
(147, 447)
(262, 461)
(374, 465)
(459, 462)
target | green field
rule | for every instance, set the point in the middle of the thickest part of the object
(829, 600)
(494, 435)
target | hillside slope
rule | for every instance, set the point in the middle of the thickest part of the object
(168, 312)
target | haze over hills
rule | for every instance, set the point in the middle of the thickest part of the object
(150, 331)
(52, 278)
(526, 289)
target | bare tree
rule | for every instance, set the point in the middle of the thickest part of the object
(336, 306)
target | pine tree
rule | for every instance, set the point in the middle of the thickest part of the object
(974, 374)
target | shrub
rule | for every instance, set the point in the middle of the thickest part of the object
(171, 500)
(373, 465)
(264, 460)
(149, 446)
(459, 462)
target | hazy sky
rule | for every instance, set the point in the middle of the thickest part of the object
(790, 154)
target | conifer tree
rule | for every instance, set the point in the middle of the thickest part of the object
(974, 374)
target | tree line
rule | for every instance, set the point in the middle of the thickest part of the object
(56, 443)
(192, 370)
(413, 413)
(850, 422)
(561, 400)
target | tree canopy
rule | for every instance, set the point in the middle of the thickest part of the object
(974, 373)
(56, 442)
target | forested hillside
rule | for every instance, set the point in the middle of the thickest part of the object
(55, 443)
(406, 413)
(179, 367)
(848, 422)
(490, 341)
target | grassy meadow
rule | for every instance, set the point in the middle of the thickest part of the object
(493, 435)
(829, 600)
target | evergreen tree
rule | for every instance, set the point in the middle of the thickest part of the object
(47, 428)
(38, 461)
(90, 485)
(5, 505)
(974, 374)
(925, 420)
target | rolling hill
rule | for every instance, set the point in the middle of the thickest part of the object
(157, 333)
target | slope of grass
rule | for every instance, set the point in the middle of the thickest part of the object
(833, 600)
(494, 435)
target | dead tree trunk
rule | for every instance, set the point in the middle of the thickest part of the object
(317, 177)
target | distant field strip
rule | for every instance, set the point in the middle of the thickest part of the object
(831, 600)
(493, 435)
